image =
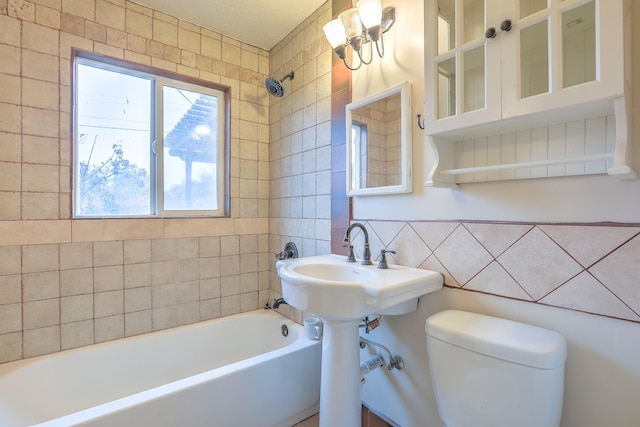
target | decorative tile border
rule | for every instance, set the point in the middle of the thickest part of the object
(590, 268)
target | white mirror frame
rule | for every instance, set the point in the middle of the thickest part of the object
(406, 141)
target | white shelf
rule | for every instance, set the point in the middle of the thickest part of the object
(596, 145)
(507, 166)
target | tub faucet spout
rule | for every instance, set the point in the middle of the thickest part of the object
(366, 256)
(277, 302)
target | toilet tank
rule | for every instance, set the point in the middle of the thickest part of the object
(491, 372)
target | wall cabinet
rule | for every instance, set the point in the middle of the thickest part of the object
(513, 85)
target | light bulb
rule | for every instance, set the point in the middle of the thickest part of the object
(334, 32)
(351, 21)
(370, 12)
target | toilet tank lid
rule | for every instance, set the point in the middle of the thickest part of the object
(500, 338)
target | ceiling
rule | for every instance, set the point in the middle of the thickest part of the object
(260, 23)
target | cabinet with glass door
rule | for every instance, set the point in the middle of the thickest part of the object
(497, 67)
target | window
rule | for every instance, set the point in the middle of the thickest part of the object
(147, 143)
(358, 155)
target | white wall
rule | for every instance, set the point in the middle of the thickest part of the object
(570, 199)
(602, 373)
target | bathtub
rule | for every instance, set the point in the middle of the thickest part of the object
(236, 371)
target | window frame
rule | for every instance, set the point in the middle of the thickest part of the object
(159, 80)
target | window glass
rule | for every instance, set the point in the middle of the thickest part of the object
(190, 126)
(146, 144)
(113, 156)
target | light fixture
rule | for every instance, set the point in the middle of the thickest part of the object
(356, 27)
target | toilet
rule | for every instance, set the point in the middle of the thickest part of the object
(491, 372)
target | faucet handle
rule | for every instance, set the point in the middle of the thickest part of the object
(290, 251)
(351, 257)
(383, 258)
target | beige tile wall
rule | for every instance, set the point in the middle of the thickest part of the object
(301, 142)
(66, 283)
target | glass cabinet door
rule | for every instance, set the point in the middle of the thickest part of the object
(557, 47)
(534, 59)
(460, 57)
(492, 59)
(529, 7)
(579, 44)
(446, 58)
(534, 47)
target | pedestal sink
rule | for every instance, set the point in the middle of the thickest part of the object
(342, 293)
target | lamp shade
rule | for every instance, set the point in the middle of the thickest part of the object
(334, 31)
(351, 21)
(370, 12)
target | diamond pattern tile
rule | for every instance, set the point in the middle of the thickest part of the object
(434, 264)
(433, 233)
(497, 237)
(495, 280)
(620, 273)
(588, 244)
(590, 268)
(462, 255)
(386, 230)
(585, 293)
(410, 249)
(380, 235)
(538, 264)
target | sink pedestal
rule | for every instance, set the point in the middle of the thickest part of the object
(342, 293)
(340, 388)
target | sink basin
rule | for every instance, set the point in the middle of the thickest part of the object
(330, 287)
(332, 272)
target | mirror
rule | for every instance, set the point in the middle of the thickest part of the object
(379, 143)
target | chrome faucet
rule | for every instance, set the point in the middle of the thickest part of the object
(366, 256)
(277, 302)
(383, 264)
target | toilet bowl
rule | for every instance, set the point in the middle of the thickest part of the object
(491, 372)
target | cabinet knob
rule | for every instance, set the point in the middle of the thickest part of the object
(506, 25)
(490, 33)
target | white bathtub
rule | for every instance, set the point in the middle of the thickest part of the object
(236, 371)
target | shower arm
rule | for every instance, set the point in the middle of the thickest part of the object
(287, 77)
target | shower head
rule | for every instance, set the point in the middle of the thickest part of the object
(274, 86)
